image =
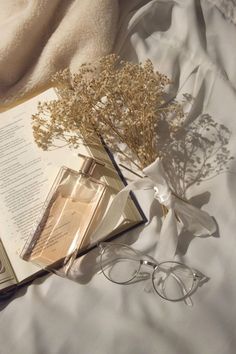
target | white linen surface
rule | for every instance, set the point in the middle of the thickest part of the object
(193, 42)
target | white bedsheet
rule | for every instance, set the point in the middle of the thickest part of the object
(194, 43)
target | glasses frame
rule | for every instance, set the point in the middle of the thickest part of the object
(196, 276)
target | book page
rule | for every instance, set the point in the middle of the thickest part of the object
(7, 276)
(26, 175)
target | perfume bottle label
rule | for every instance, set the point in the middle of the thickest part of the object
(66, 220)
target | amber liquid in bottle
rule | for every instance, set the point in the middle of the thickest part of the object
(68, 216)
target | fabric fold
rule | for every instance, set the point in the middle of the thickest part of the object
(180, 213)
(41, 37)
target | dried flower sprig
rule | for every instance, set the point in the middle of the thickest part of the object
(121, 102)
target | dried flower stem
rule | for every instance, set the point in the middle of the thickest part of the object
(121, 102)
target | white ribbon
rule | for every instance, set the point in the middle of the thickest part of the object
(193, 219)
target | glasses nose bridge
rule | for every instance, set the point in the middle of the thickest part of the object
(148, 263)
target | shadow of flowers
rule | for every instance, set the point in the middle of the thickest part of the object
(197, 152)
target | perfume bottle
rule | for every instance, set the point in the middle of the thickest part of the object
(70, 211)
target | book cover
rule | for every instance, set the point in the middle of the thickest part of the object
(26, 176)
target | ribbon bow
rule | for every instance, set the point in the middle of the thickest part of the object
(193, 219)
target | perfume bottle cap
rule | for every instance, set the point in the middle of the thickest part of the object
(89, 165)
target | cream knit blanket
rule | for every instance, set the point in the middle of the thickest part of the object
(40, 37)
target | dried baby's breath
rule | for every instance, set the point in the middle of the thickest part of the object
(121, 102)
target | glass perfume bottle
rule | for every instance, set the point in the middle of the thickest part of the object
(70, 211)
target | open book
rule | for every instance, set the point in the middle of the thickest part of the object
(26, 176)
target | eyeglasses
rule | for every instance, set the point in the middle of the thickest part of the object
(121, 264)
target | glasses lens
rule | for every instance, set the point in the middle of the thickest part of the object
(173, 281)
(120, 263)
